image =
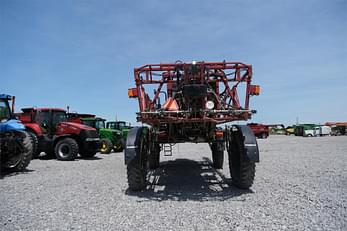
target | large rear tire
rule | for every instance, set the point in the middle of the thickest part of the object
(136, 176)
(154, 157)
(242, 170)
(105, 146)
(137, 167)
(20, 158)
(217, 154)
(35, 142)
(66, 149)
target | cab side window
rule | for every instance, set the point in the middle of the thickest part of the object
(57, 118)
(42, 118)
(4, 111)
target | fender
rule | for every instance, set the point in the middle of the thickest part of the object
(132, 147)
(72, 128)
(11, 125)
(249, 142)
(35, 128)
(57, 138)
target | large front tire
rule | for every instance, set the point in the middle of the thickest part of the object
(154, 157)
(137, 167)
(136, 176)
(217, 154)
(242, 170)
(66, 149)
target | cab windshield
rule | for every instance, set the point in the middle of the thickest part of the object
(90, 123)
(5, 112)
(99, 124)
(59, 117)
(121, 125)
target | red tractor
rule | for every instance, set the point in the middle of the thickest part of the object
(259, 130)
(55, 136)
(197, 97)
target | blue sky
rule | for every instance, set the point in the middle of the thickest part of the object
(82, 53)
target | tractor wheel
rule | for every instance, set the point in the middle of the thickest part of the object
(20, 158)
(154, 157)
(242, 170)
(105, 146)
(136, 176)
(217, 154)
(35, 143)
(119, 146)
(137, 168)
(66, 149)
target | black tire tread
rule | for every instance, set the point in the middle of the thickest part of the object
(244, 179)
(242, 170)
(217, 156)
(26, 155)
(108, 144)
(136, 176)
(154, 157)
(73, 145)
(35, 141)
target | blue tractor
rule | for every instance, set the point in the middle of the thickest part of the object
(16, 145)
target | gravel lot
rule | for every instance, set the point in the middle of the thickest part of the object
(301, 184)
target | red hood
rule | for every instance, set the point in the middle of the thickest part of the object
(79, 126)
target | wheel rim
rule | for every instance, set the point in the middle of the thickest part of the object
(103, 147)
(64, 150)
(13, 160)
(117, 146)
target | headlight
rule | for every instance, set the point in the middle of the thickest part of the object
(209, 105)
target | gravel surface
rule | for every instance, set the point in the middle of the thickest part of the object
(300, 184)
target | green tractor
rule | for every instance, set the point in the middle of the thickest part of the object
(121, 126)
(109, 138)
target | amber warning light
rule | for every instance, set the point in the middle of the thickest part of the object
(132, 92)
(254, 90)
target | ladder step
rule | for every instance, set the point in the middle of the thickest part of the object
(167, 149)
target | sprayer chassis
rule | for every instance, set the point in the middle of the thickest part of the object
(198, 97)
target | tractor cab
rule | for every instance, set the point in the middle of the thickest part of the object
(48, 119)
(95, 122)
(5, 111)
(119, 125)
